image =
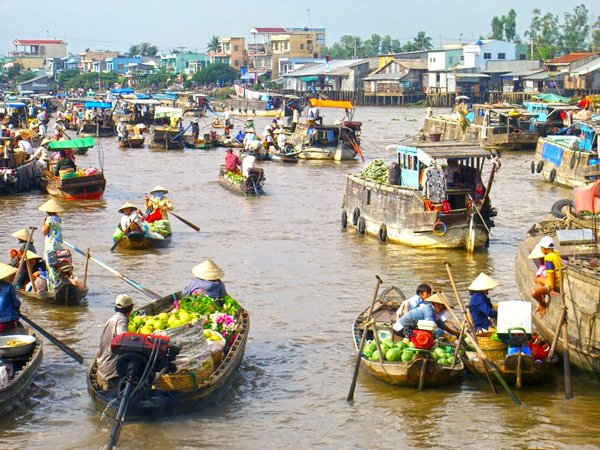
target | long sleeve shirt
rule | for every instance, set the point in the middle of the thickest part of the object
(481, 310)
(9, 303)
(214, 289)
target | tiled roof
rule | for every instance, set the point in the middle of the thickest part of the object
(566, 59)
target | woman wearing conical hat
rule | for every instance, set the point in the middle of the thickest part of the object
(52, 230)
(16, 253)
(480, 305)
(208, 281)
(157, 205)
(9, 303)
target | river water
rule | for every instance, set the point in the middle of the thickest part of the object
(303, 281)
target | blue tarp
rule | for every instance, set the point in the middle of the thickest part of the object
(101, 105)
(251, 75)
(142, 96)
(15, 105)
(122, 91)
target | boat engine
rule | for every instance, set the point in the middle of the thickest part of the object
(420, 333)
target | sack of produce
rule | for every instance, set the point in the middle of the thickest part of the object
(376, 171)
(194, 347)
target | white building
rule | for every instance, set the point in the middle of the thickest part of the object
(477, 54)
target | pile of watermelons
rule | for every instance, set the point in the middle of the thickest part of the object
(405, 351)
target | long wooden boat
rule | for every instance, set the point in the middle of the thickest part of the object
(86, 187)
(164, 136)
(397, 212)
(25, 368)
(18, 176)
(493, 127)
(570, 160)
(399, 373)
(132, 142)
(66, 294)
(243, 186)
(159, 403)
(139, 241)
(98, 126)
(581, 292)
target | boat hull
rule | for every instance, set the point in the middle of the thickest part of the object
(65, 294)
(143, 243)
(134, 142)
(166, 139)
(89, 187)
(245, 189)
(22, 179)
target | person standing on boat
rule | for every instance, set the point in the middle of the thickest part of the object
(248, 165)
(232, 161)
(295, 118)
(554, 265)
(122, 130)
(422, 294)
(9, 303)
(195, 130)
(106, 376)
(480, 305)
(208, 281)
(157, 205)
(42, 154)
(52, 230)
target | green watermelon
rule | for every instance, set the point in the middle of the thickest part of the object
(393, 354)
(385, 347)
(407, 356)
(442, 362)
(375, 356)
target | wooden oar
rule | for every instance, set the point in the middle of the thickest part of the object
(362, 342)
(24, 257)
(116, 243)
(64, 347)
(187, 222)
(139, 287)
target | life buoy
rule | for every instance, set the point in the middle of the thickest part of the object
(532, 167)
(355, 216)
(439, 228)
(382, 235)
(539, 167)
(552, 175)
(362, 226)
(344, 221)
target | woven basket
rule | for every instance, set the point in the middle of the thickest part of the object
(217, 357)
(494, 350)
(184, 380)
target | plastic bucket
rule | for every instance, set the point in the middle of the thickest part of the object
(435, 137)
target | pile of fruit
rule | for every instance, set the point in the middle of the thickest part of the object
(233, 177)
(162, 227)
(376, 170)
(163, 321)
(400, 351)
(444, 356)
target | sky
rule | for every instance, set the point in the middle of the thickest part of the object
(169, 24)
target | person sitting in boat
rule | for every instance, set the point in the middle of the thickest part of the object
(480, 305)
(39, 275)
(208, 281)
(268, 141)
(433, 309)
(122, 132)
(106, 376)
(24, 145)
(251, 142)
(16, 253)
(232, 161)
(132, 219)
(239, 137)
(314, 116)
(157, 205)
(227, 119)
(248, 165)
(422, 294)
(249, 125)
(452, 172)
(9, 303)
(281, 140)
(42, 154)
(64, 163)
(554, 265)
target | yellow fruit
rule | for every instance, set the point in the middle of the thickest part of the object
(207, 333)
(184, 316)
(163, 316)
(172, 318)
(146, 330)
(176, 323)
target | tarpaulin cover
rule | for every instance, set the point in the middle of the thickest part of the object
(101, 105)
(165, 111)
(86, 142)
(346, 104)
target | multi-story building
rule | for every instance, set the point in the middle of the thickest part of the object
(95, 61)
(121, 64)
(477, 54)
(31, 53)
(232, 51)
(188, 62)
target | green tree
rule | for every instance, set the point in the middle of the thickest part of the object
(143, 49)
(576, 30)
(497, 28)
(13, 72)
(422, 41)
(25, 76)
(215, 72)
(386, 44)
(596, 36)
(213, 45)
(372, 46)
(544, 35)
(134, 50)
(510, 26)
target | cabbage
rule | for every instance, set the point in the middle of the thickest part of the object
(442, 362)
(393, 354)
(385, 347)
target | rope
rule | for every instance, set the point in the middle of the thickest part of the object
(569, 222)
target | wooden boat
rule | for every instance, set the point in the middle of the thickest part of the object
(284, 157)
(335, 142)
(139, 241)
(398, 212)
(252, 186)
(205, 143)
(137, 108)
(85, 184)
(581, 290)
(97, 126)
(65, 294)
(132, 142)
(569, 160)
(159, 403)
(25, 368)
(18, 175)
(247, 102)
(547, 115)
(399, 373)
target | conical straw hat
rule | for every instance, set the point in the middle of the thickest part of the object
(159, 188)
(6, 271)
(208, 270)
(127, 205)
(31, 255)
(51, 206)
(22, 235)
(536, 253)
(483, 282)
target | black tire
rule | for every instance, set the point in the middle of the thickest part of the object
(532, 166)
(362, 226)
(558, 207)
(382, 235)
(552, 175)
(344, 221)
(539, 166)
(355, 216)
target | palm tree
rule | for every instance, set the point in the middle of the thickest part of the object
(213, 45)
(146, 49)
(422, 41)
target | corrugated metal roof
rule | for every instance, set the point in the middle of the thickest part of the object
(336, 67)
(541, 76)
(37, 41)
(383, 76)
(522, 73)
(268, 30)
(592, 66)
(504, 66)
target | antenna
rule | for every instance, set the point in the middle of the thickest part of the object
(308, 14)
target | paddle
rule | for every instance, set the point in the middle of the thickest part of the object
(139, 287)
(24, 257)
(116, 243)
(64, 347)
(187, 222)
(362, 342)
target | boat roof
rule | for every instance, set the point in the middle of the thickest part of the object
(86, 142)
(447, 149)
(345, 104)
(141, 101)
(101, 105)
(166, 111)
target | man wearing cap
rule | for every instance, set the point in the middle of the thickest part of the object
(554, 265)
(157, 205)
(480, 305)
(107, 377)
(9, 303)
(208, 281)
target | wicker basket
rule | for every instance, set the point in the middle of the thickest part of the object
(494, 350)
(185, 380)
(217, 357)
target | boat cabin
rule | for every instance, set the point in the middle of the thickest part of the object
(14, 113)
(136, 110)
(459, 165)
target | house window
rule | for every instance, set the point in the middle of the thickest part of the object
(235, 48)
(301, 46)
(462, 58)
(522, 57)
(501, 55)
(451, 60)
(236, 63)
(487, 56)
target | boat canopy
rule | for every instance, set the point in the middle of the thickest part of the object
(345, 104)
(86, 142)
(141, 101)
(165, 111)
(122, 91)
(15, 105)
(100, 105)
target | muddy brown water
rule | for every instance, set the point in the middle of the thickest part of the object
(303, 281)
